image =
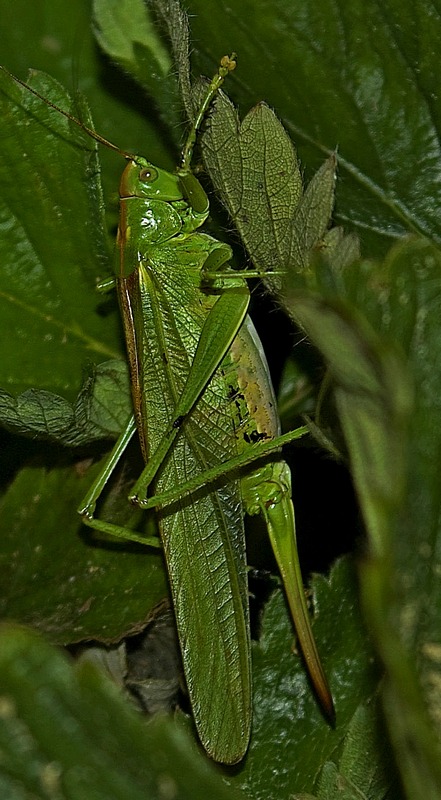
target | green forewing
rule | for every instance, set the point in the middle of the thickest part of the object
(202, 534)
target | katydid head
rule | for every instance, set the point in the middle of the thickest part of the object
(143, 180)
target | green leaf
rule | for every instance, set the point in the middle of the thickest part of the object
(377, 326)
(355, 76)
(100, 411)
(254, 167)
(128, 34)
(120, 26)
(363, 771)
(58, 38)
(290, 739)
(57, 577)
(49, 259)
(65, 734)
(252, 185)
(373, 398)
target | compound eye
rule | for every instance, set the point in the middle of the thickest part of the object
(148, 174)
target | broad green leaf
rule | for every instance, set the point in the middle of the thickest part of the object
(128, 34)
(58, 577)
(373, 398)
(252, 188)
(356, 77)
(121, 26)
(290, 739)
(57, 38)
(50, 259)
(254, 167)
(377, 326)
(65, 735)
(364, 770)
(100, 411)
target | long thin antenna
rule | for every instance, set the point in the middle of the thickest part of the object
(66, 114)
